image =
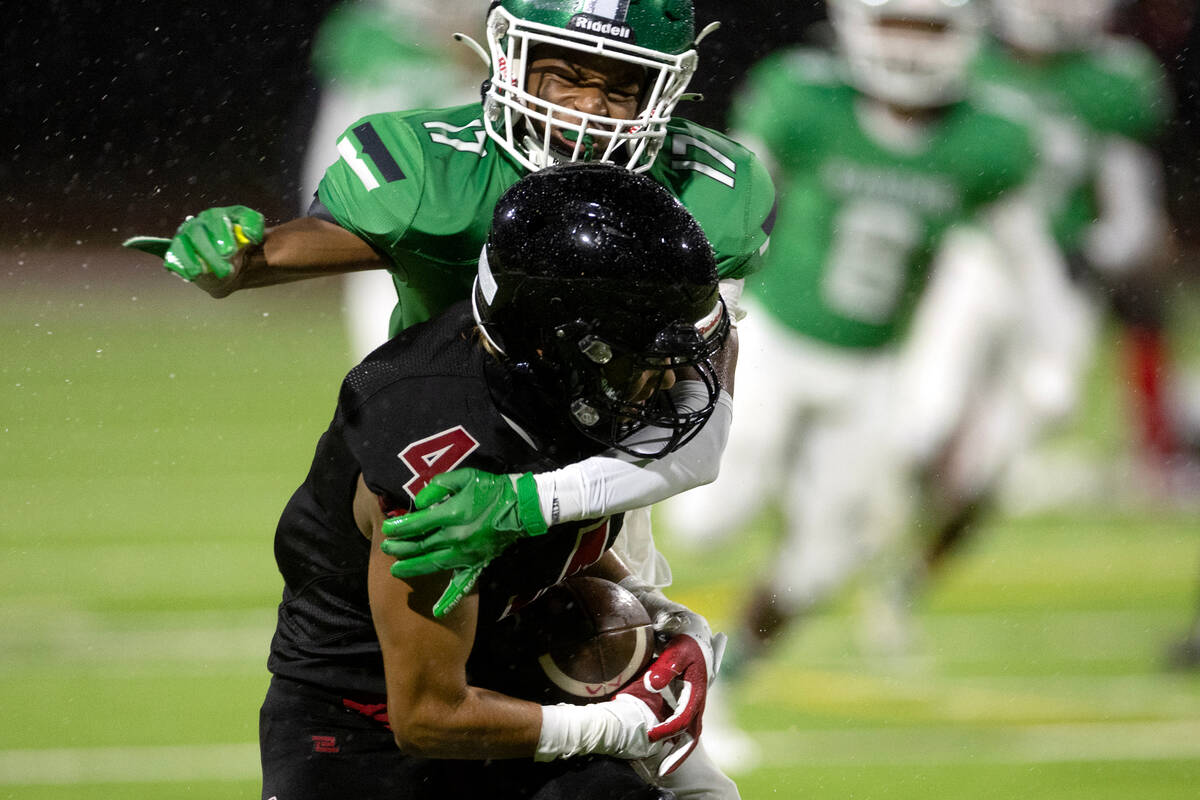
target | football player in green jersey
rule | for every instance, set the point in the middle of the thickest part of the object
(413, 193)
(880, 162)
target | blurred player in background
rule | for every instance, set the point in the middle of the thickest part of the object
(1098, 104)
(882, 164)
(594, 288)
(380, 55)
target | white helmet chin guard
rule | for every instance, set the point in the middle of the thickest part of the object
(522, 123)
(920, 65)
(1051, 26)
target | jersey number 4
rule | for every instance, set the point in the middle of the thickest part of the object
(436, 454)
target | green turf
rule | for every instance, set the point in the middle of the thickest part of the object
(192, 789)
(149, 444)
(1065, 781)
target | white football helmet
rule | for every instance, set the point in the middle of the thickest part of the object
(656, 35)
(913, 53)
(1051, 26)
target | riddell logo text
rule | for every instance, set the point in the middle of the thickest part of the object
(602, 27)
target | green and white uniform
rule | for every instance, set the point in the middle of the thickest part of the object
(420, 187)
(865, 203)
(859, 219)
(1116, 90)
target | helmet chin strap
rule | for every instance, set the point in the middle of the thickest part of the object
(539, 155)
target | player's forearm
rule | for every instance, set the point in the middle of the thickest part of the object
(487, 724)
(480, 724)
(303, 248)
(611, 484)
(433, 711)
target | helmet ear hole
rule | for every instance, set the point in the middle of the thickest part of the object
(678, 10)
(596, 277)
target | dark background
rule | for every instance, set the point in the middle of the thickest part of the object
(123, 118)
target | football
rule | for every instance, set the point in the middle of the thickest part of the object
(581, 641)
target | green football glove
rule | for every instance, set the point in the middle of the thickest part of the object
(462, 520)
(206, 244)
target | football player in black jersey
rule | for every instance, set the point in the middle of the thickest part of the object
(583, 311)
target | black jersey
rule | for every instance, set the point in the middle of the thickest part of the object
(428, 401)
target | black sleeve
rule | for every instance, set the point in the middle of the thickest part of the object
(317, 209)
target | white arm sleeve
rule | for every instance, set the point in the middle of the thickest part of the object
(615, 482)
(1056, 325)
(1132, 228)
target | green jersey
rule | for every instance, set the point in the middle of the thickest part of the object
(420, 187)
(1117, 88)
(859, 220)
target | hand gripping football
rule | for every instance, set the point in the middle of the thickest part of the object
(580, 642)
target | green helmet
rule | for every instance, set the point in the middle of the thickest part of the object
(657, 35)
(925, 66)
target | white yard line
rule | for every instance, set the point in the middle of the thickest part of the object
(89, 765)
(1016, 745)
(33, 637)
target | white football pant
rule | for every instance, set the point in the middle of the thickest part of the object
(809, 432)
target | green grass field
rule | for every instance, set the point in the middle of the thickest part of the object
(150, 436)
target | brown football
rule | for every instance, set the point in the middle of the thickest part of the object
(581, 641)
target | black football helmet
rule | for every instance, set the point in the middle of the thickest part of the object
(595, 282)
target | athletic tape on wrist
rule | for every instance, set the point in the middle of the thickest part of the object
(529, 506)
